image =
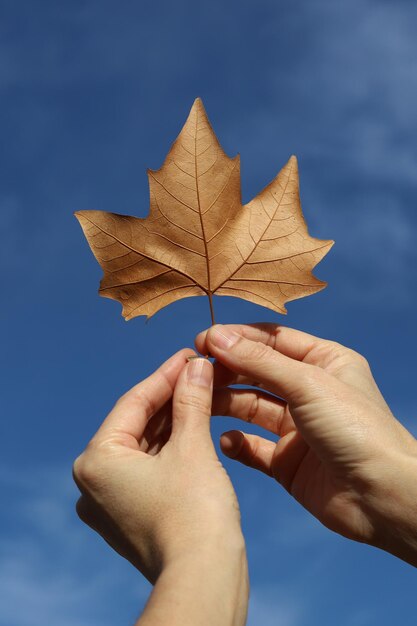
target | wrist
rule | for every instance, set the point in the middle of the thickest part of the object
(392, 505)
(210, 545)
(204, 584)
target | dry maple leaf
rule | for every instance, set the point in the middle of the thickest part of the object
(198, 239)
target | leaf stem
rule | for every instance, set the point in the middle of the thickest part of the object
(210, 297)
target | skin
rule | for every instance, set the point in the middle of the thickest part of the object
(340, 451)
(153, 487)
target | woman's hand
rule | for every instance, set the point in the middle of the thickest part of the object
(153, 487)
(341, 453)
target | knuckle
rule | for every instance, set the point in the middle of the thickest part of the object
(253, 409)
(77, 467)
(194, 402)
(339, 350)
(81, 469)
(140, 396)
(313, 378)
(359, 359)
(339, 354)
(336, 349)
(86, 471)
(348, 355)
(137, 396)
(258, 351)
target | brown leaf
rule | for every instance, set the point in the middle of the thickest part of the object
(198, 239)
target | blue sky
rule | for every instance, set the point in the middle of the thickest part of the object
(91, 94)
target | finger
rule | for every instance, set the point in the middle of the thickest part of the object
(156, 426)
(285, 461)
(191, 404)
(292, 380)
(223, 377)
(127, 421)
(289, 463)
(255, 407)
(346, 364)
(251, 450)
(158, 443)
(343, 363)
(289, 341)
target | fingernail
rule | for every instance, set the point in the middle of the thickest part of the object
(200, 372)
(231, 443)
(223, 337)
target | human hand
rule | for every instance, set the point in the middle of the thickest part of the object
(153, 487)
(341, 453)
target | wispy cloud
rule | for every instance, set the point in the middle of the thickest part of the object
(348, 95)
(53, 570)
(270, 606)
(377, 258)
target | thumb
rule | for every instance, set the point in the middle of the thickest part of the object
(295, 381)
(191, 404)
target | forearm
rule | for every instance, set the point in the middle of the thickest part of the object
(209, 586)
